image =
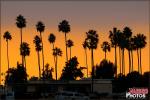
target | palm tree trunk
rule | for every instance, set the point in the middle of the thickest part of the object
(116, 60)
(70, 52)
(132, 60)
(138, 61)
(129, 61)
(66, 47)
(21, 44)
(92, 65)
(120, 59)
(56, 67)
(86, 61)
(123, 61)
(42, 50)
(105, 54)
(7, 55)
(25, 63)
(54, 56)
(39, 64)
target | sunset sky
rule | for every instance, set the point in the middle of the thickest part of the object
(101, 16)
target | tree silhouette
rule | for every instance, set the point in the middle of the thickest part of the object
(16, 75)
(140, 42)
(122, 43)
(51, 40)
(21, 23)
(92, 41)
(71, 70)
(134, 79)
(38, 48)
(65, 28)
(114, 38)
(69, 45)
(40, 28)
(128, 33)
(25, 51)
(47, 73)
(145, 78)
(7, 37)
(105, 69)
(56, 52)
(106, 47)
(85, 49)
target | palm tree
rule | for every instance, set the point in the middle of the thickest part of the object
(21, 23)
(56, 52)
(7, 37)
(92, 41)
(25, 51)
(69, 45)
(38, 48)
(40, 28)
(114, 37)
(106, 47)
(65, 28)
(133, 47)
(140, 42)
(122, 44)
(52, 39)
(128, 33)
(85, 49)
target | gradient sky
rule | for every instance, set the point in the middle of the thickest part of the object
(101, 16)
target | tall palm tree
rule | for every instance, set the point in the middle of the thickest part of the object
(85, 49)
(133, 47)
(56, 52)
(122, 44)
(128, 33)
(25, 51)
(38, 48)
(129, 48)
(106, 47)
(7, 37)
(21, 23)
(40, 28)
(114, 38)
(69, 45)
(140, 42)
(92, 41)
(65, 28)
(52, 39)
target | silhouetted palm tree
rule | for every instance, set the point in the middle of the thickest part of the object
(38, 48)
(128, 33)
(40, 28)
(65, 28)
(92, 41)
(52, 39)
(56, 52)
(133, 47)
(85, 49)
(25, 51)
(7, 37)
(140, 42)
(122, 44)
(21, 23)
(114, 38)
(69, 45)
(106, 47)
(129, 48)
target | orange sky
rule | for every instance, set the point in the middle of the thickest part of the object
(80, 20)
